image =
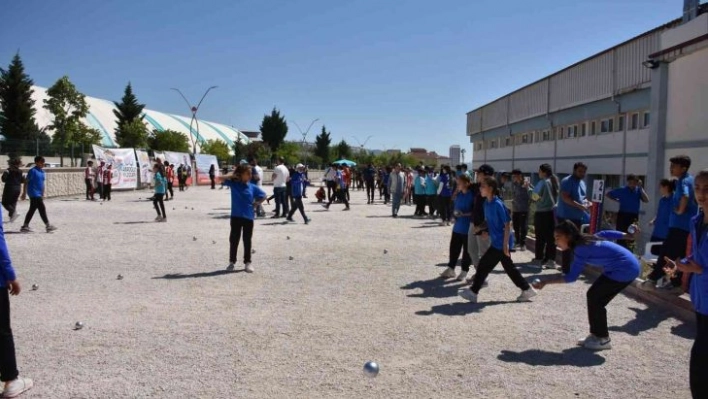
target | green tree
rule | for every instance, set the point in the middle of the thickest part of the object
(290, 152)
(133, 134)
(322, 143)
(343, 150)
(127, 110)
(17, 107)
(68, 106)
(85, 136)
(274, 129)
(216, 147)
(168, 140)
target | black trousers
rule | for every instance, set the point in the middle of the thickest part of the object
(674, 247)
(444, 208)
(370, 190)
(159, 204)
(89, 188)
(331, 189)
(8, 362)
(36, 204)
(387, 195)
(544, 224)
(297, 205)
(430, 201)
(602, 291)
(240, 227)
(213, 181)
(520, 220)
(458, 242)
(489, 261)
(699, 359)
(624, 220)
(169, 188)
(567, 256)
(339, 195)
(99, 189)
(107, 192)
(9, 201)
(419, 200)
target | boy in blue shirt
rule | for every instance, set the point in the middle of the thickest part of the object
(696, 263)
(298, 183)
(244, 195)
(499, 226)
(683, 209)
(34, 187)
(619, 268)
(630, 198)
(663, 212)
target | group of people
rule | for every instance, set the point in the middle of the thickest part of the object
(98, 180)
(20, 186)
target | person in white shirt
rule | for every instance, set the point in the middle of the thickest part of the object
(280, 179)
(330, 180)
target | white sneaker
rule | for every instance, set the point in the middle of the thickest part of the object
(17, 387)
(14, 217)
(470, 280)
(462, 276)
(526, 295)
(230, 267)
(550, 265)
(468, 295)
(598, 344)
(448, 273)
(249, 268)
(582, 341)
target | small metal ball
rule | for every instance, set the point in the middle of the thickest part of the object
(35, 287)
(194, 238)
(291, 258)
(253, 251)
(385, 251)
(79, 325)
(120, 277)
(371, 369)
(288, 237)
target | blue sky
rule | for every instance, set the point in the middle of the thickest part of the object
(404, 72)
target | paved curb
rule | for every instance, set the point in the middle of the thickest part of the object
(680, 306)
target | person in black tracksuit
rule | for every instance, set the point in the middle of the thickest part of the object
(13, 180)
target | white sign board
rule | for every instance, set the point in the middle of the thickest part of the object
(598, 191)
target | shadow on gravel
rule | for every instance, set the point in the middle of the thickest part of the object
(284, 222)
(445, 263)
(178, 276)
(390, 217)
(140, 222)
(435, 288)
(650, 318)
(425, 226)
(460, 308)
(578, 357)
(222, 216)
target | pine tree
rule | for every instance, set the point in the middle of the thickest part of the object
(274, 129)
(127, 110)
(17, 107)
(322, 142)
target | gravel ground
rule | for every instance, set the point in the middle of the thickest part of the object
(177, 325)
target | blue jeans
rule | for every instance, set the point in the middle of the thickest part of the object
(280, 199)
(396, 203)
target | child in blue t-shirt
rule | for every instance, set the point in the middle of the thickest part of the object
(244, 195)
(298, 182)
(460, 231)
(160, 183)
(696, 263)
(663, 212)
(619, 268)
(498, 222)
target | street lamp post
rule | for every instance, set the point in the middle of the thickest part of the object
(194, 109)
(304, 137)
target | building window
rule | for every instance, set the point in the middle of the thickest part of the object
(593, 128)
(494, 143)
(561, 133)
(507, 142)
(583, 129)
(646, 120)
(525, 139)
(546, 135)
(573, 131)
(634, 122)
(620, 123)
(607, 125)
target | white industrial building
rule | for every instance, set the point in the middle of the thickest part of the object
(101, 117)
(623, 111)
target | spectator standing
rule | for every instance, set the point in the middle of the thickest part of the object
(573, 205)
(663, 212)
(212, 176)
(13, 179)
(89, 180)
(397, 184)
(99, 178)
(521, 198)
(546, 197)
(107, 182)
(280, 180)
(630, 198)
(34, 188)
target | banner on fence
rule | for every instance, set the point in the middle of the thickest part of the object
(125, 166)
(145, 167)
(204, 162)
(179, 158)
